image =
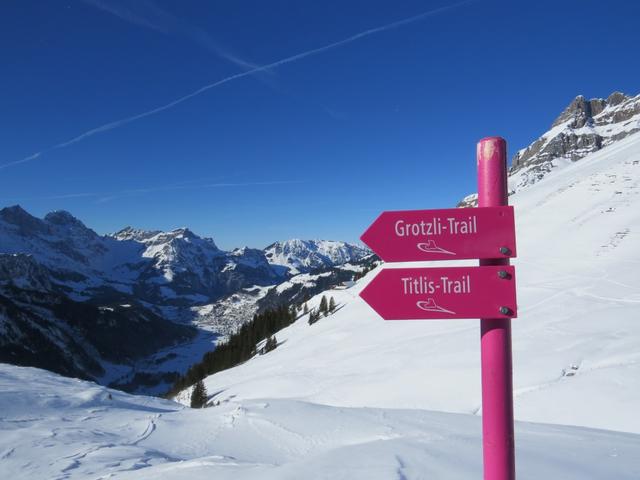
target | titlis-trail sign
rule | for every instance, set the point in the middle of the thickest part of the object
(487, 292)
(441, 293)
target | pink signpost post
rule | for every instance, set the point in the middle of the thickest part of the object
(487, 292)
(498, 443)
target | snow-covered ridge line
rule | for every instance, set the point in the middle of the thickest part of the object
(167, 267)
(305, 255)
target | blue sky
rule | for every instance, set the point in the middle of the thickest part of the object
(313, 147)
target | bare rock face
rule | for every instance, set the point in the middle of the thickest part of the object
(580, 111)
(585, 126)
(21, 270)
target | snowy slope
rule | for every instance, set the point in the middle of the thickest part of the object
(576, 355)
(57, 428)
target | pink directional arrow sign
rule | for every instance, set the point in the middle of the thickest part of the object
(450, 234)
(443, 293)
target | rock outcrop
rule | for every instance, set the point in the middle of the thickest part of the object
(584, 127)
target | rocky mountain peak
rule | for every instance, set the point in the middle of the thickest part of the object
(17, 216)
(14, 211)
(130, 233)
(616, 98)
(305, 255)
(19, 220)
(584, 127)
(158, 237)
(184, 232)
(61, 223)
(183, 236)
(580, 112)
(63, 218)
(249, 256)
(241, 251)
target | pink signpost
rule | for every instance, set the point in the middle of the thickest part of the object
(442, 293)
(498, 444)
(450, 234)
(487, 292)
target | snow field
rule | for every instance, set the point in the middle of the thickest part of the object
(58, 428)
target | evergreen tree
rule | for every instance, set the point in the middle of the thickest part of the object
(332, 304)
(323, 305)
(314, 316)
(271, 344)
(306, 308)
(198, 395)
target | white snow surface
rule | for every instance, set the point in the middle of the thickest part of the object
(355, 397)
(59, 428)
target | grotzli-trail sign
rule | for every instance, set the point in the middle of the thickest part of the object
(450, 234)
(487, 292)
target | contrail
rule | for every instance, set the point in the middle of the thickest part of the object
(147, 14)
(141, 191)
(188, 185)
(294, 58)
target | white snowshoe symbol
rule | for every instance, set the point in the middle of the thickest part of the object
(430, 305)
(431, 247)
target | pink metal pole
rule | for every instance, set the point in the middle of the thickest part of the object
(497, 382)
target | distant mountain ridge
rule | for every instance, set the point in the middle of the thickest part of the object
(176, 267)
(583, 127)
(305, 255)
(59, 279)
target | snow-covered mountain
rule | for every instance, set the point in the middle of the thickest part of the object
(162, 268)
(130, 275)
(584, 127)
(166, 268)
(75, 255)
(306, 255)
